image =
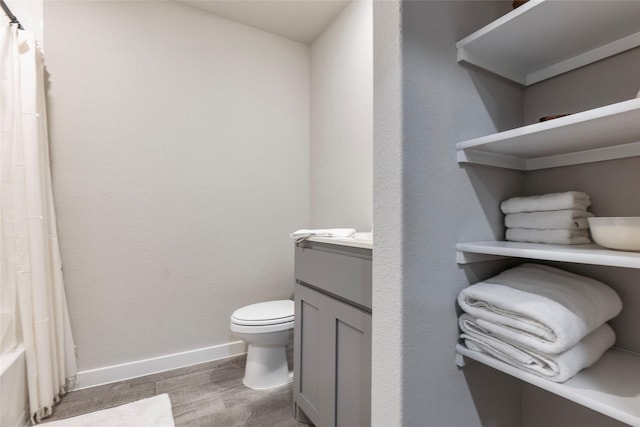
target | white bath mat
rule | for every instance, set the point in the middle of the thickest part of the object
(152, 412)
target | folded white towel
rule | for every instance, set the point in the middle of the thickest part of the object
(325, 232)
(569, 219)
(540, 307)
(547, 202)
(557, 237)
(555, 367)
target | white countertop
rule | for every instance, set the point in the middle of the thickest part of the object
(360, 240)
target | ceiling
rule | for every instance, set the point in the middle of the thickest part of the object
(299, 20)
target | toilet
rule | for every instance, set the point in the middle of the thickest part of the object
(267, 328)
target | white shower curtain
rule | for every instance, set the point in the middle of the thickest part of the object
(31, 269)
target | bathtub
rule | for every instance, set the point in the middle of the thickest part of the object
(13, 389)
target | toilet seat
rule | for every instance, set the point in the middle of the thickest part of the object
(264, 314)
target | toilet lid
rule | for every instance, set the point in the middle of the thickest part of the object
(264, 313)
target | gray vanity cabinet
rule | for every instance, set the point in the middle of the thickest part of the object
(332, 337)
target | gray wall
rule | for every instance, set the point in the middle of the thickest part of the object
(613, 186)
(180, 146)
(386, 348)
(341, 159)
(424, 203)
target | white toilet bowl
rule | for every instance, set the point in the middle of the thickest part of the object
(267, 328)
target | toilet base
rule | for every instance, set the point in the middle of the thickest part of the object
(266, 367)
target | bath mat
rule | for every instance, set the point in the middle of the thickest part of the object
(152, 412)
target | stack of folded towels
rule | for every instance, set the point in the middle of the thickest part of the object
(540, 319)
(559, 218)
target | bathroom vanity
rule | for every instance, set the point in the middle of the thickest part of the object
(332, 336)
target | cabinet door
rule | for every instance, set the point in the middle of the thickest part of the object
(332, 360)
(352, 365)
(313, 385)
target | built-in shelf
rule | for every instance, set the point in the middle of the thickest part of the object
(536, 41)
(582, 254)
(605, 133)
(542, 39)
(611, 386)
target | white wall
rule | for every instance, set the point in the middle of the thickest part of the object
(342, 121)
(180, 147)
(424, 204)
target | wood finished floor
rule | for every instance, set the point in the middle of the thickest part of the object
(209, 394)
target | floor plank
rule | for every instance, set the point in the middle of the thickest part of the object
(206, 395)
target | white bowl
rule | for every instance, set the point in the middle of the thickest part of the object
(621, 233)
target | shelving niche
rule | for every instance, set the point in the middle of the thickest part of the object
(504, 47)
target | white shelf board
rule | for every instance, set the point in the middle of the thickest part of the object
(604, 133)
(611, 386)
(582, 254)
(542, 39)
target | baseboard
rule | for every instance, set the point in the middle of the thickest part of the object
(125, 371)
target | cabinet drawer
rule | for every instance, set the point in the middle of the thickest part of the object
(340, 271)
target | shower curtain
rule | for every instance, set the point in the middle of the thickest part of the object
(33, 305)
